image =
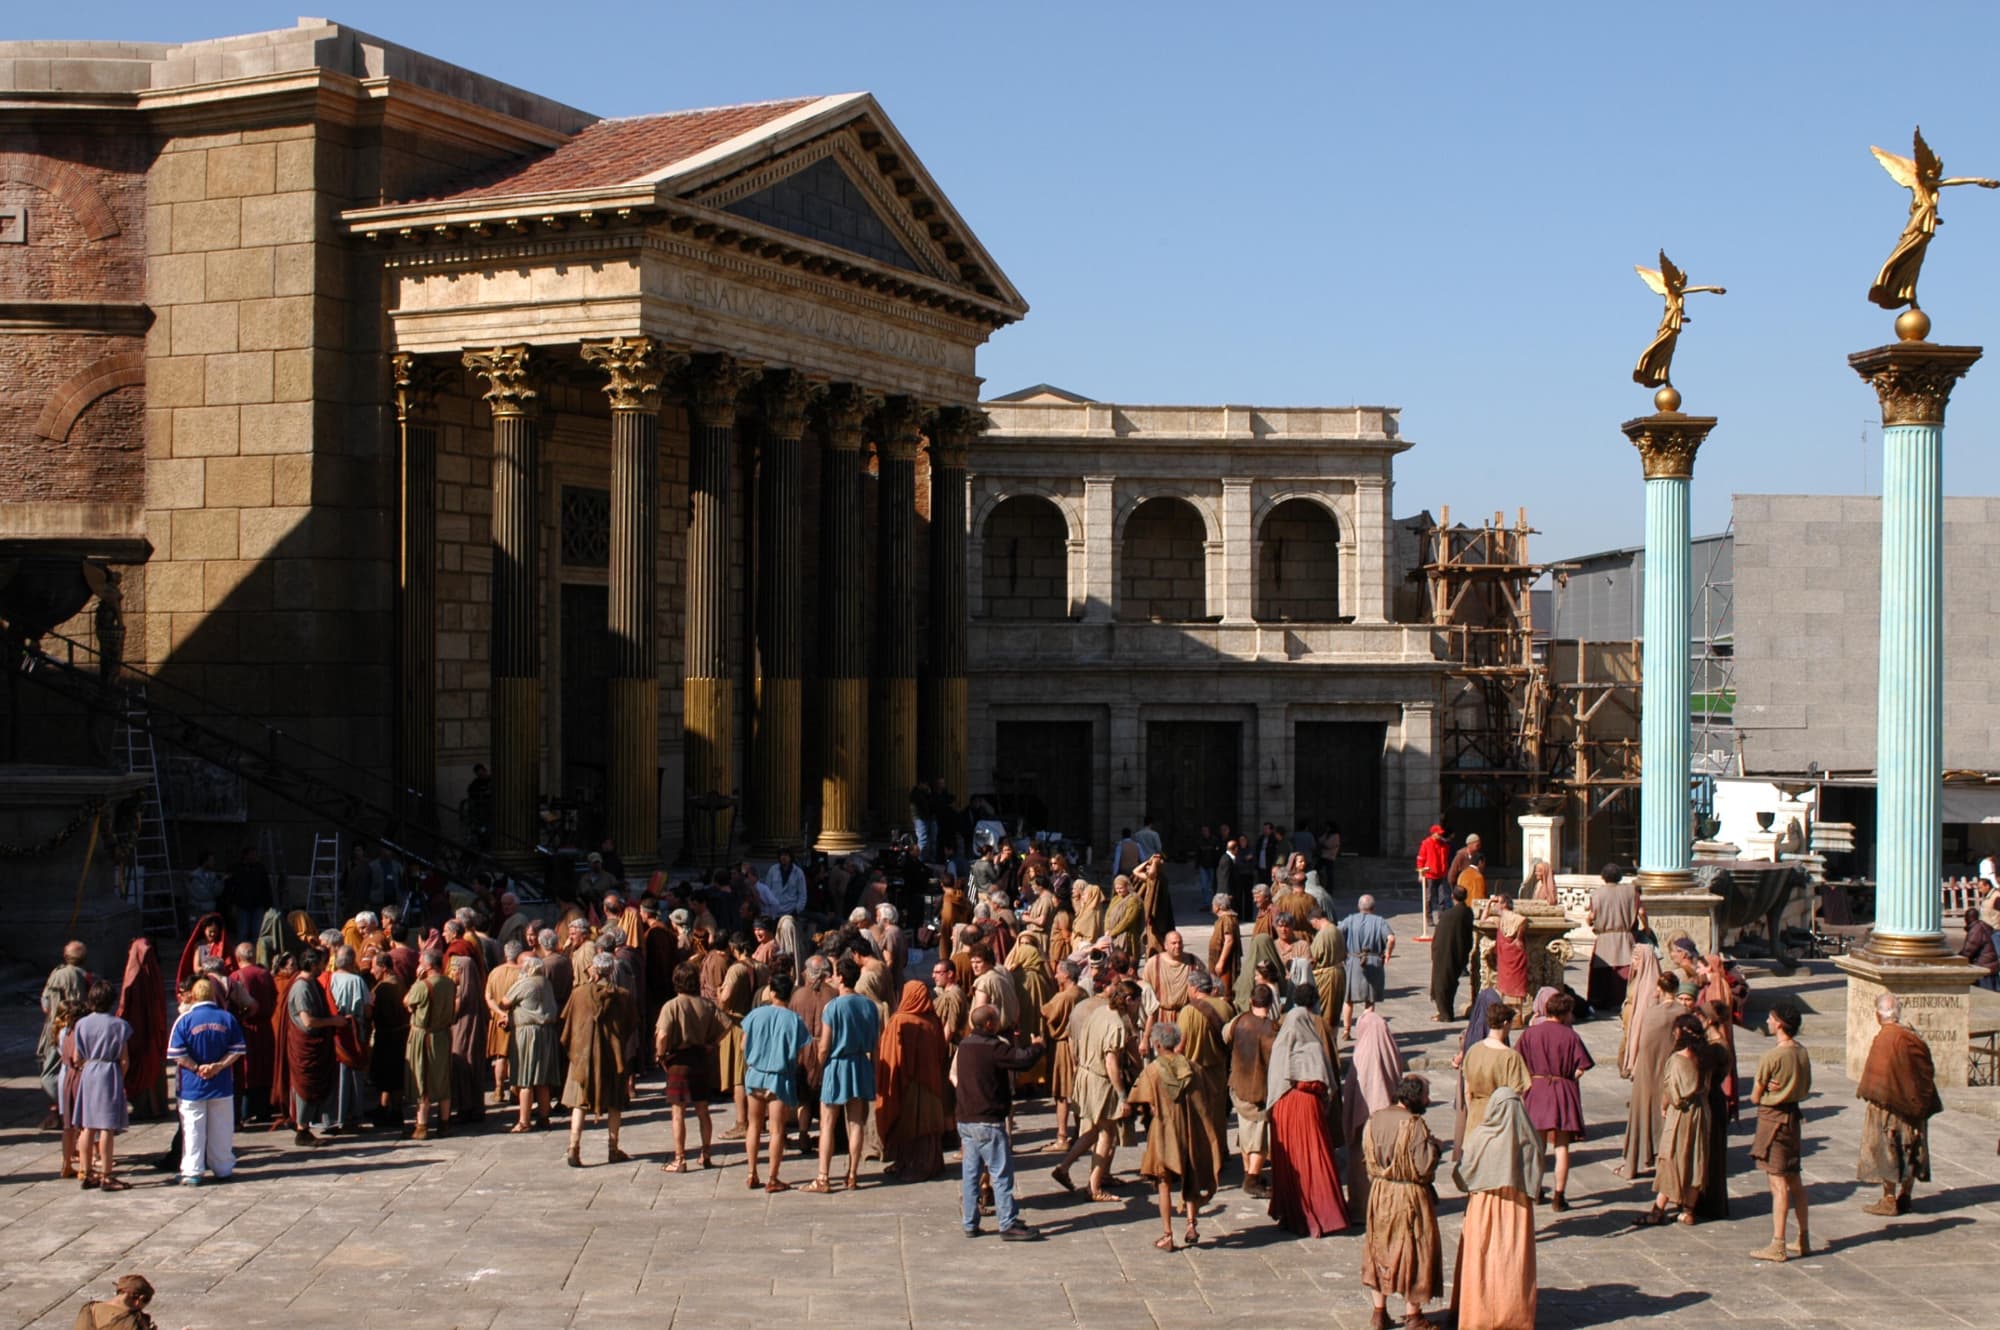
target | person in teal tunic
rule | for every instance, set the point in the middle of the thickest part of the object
(850, 1029)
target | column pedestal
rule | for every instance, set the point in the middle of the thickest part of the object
(1906, 953)
(1541, 838)
(517, 562)
(632, 793)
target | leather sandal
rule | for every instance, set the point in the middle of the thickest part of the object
(819, 1186)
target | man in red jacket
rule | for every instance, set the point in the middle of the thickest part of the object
(1433, 859)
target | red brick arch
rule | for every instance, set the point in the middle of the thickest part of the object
(66, 183)
(86, 386)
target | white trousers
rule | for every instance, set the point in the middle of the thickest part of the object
(208, 1136)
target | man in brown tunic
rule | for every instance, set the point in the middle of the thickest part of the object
(684, 1040)
(1401, 1252)
(1183, 1143)
(809, 1004)
(596, 1022)
(1899, 1085)
(499, 1035)
(948, 997)
(1056, 1014)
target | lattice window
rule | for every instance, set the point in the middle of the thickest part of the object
(586, 527)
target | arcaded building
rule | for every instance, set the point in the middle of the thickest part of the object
(1193, 612)
(436, 423)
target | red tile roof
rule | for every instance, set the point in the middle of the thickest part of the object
(616, 152)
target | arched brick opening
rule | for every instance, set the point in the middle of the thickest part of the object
(1025, 560)
(1163, 563)
(66, 403)
(68, 184)
(1298, 564)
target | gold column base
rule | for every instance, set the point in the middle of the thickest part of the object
(893, 755)
(517, 760)
(709, 731)
(843, 764)
(1925, 949)
(1655, 881)
(633, 779)
(775, 763)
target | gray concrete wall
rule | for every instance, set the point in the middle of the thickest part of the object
(1808, 597)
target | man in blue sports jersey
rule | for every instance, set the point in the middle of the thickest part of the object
(206, 1044)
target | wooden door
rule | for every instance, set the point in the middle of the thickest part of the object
(1192, 769)
(1337, 773)
(1043, 772)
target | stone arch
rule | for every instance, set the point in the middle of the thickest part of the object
(1204, 508)
(1298, 561)
(1024, 559)
(67, 402)
(1163, 548)
(69, 185)
(992, 497)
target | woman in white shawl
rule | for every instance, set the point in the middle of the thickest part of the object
(1305, 1189)
(1374, 1069)
(1500, 1169)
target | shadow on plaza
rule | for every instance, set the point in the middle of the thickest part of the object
(1899, 1231)
(1601, 1304)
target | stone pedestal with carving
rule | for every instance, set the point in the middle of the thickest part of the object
(1548, 952)
(1937, 1004)
(1541, 838)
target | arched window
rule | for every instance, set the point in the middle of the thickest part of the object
(1163, 563)
(1025, 572)
(1298, 565)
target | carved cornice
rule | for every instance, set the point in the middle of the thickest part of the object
(1667, 443)
(711, 383)
(844, 413)
(952, 430)
(1914, 379)
(510, 382)
(899, 426)
(787, 395)
(418, 380)
(634, 366)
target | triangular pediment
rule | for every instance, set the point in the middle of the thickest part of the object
(822, 202)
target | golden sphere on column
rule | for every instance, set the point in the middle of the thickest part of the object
(1667, 400)
(1913, 325)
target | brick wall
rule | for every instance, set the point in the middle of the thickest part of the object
(1025, 567)
(1298, 564)
(1162, 563)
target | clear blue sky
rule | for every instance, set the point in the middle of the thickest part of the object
(1432, 206)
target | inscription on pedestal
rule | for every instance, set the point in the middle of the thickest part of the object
(1936, 1002)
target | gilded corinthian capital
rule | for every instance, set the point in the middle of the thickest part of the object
(787, 395)
(1667, 443)
(899, 426)
(510, 386)
(844, 413)
(1914, 379)
(634, 368)
(417, 382)
(952, 430)
(712, 383)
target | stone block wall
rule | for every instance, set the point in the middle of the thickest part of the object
(1163, 568)
(1024, 571)
(1807, 607)
(1298, 564)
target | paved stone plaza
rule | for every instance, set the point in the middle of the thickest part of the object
(487, 1230)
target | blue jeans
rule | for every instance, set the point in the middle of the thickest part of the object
(1207, 886)
(986, 1143)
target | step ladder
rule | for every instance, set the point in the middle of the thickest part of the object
(152, 870)
(323, 881)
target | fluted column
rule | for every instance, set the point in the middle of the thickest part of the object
(777, 729)
(517, 559)
(1914, 381)
(634, 369)
(944, 724)
(843, 763)
(712, 385)
(416, 386)
(893, 749)
(1667, 442)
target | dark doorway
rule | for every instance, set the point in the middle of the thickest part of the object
(1191, 777)
(585, 714)
(1043, 768)
(1337, 773)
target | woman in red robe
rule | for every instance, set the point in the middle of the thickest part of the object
(142, 1004)
(1305, 1188)
(913, 1107)
(209, 938)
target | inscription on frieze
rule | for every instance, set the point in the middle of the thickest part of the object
(804, 318)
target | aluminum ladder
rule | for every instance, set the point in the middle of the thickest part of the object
(323, 880)
(152, 861)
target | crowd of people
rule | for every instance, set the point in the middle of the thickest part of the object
(827, 1036)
